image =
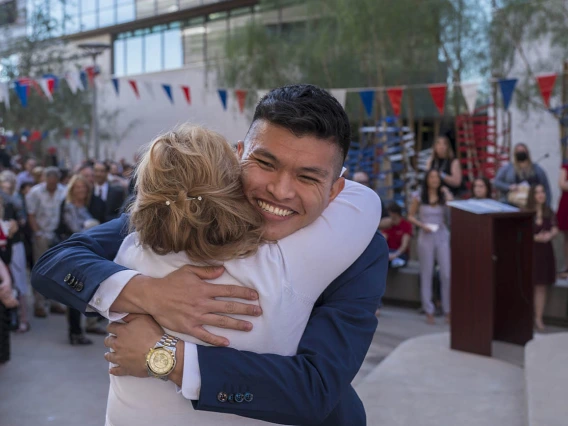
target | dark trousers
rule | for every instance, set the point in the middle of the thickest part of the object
(74, 320)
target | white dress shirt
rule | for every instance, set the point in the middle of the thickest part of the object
(289, 276)
(101, 191)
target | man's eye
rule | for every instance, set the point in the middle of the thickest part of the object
(309, 178)
(264, 163)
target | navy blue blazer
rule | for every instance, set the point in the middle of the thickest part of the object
(310, 388)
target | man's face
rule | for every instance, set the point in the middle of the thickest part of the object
(101, 173)
(290, 180)
(51, 183)
(87, 173)
(30, 165)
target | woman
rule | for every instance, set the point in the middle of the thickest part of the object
(18, 262)
(444, 162)
(563, 215)
(544, 265)
(209, 221)
(481, 189)
(428, 212)
(75, 218)
(515, 179)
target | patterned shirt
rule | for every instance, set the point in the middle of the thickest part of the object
(46, 207)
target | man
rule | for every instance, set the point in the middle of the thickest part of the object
(312, 387)
(97, 207)
(26, 174)
(363, 179)
(43, 203)
(398, 237)
(112, 196)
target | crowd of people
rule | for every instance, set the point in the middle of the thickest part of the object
(42, 206)
(521, 182)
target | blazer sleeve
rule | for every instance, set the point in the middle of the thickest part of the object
(500, 180)
(86, 257)
(305, 388)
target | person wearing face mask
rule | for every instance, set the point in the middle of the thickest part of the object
(514, 179)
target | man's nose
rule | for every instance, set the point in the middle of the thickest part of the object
(281, 187)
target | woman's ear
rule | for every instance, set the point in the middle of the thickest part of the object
(240, 149)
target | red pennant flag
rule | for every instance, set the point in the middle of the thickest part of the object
(91, 75)
(134, 86)
(51, 85)
(546, 85)
(241, 98)
(66, 133)
(395, 98)
(30, 82)
(187, 94)
(438, 93)
(35, 136)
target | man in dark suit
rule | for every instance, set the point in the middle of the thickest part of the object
(112, 196)
(312, 387)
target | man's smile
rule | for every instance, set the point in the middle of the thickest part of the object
(273, 209)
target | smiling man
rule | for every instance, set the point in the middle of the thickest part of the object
(292, 160)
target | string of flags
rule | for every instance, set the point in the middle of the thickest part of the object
(76, 81)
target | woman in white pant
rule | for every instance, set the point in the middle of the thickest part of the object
(428, 212)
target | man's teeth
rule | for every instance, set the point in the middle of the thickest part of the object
(274, 210)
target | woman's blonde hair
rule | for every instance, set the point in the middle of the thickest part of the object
(189, 197)
(71, 185)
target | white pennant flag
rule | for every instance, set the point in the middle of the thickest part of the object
(149, 86)
(340, 95)
(469, 92)
(78, 81)
(43, 84)
(260, 94)
(71, 82)
(5, 94)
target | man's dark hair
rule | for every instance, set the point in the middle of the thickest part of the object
(102, 163)
(306, 110)
(394, 208)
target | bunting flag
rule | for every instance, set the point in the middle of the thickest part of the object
(74, 81)
(149, 86)
(115, 84)
(5, 94)
(507, 88)
(241, 96)
(340, 95)
(187, 94)
(469, 93)
(91, 72)
(134, 86)
(368, 98)
(55, 81)
(223, 96)
(546, 86)
(22, 90)
(47, 85)
(438, 93)
(168, 90)
(395, 98)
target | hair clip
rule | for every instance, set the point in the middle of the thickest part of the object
(198, 198)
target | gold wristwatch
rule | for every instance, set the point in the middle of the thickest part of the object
(161, 359)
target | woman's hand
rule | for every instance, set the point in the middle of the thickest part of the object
(513, 188)
(426, 229)
(447, 193)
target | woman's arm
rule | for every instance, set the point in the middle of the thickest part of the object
(455, 178)
(403, 246)
(562, 181)
(413, 211)
(543, 178)
(70, 218)
(429, 162)
(317, 254)
(500, 181)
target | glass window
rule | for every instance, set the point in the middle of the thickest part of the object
(134, 55)
(194, 44)
(106, 13)
(88, 6)
(119, 58)
(188, 4)
(56, 14)
(167, 6)
(88, 21)
(153, 57)
(71, 24)
(173, 55)
(145, 8)
(216, 34)
(239, 18)
(125, 11)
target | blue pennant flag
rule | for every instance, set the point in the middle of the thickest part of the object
(84, 79)
(507, 88)
(223, 96)
(22, 92)
(168, 90)
(115, 84)
(368, 98)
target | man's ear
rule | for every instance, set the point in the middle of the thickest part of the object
(240, 149)
(336, 188)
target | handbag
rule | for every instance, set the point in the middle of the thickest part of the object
(519, 197)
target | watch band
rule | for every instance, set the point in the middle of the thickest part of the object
(169, 343)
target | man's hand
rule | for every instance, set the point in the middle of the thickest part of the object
(13, 228)
(183, 302)
(130, 343)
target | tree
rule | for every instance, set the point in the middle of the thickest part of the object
(34, 55)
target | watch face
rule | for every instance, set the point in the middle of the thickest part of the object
(161, 361)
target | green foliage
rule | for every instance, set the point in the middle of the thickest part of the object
(34, 55)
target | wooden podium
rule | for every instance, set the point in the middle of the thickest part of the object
(492, 266)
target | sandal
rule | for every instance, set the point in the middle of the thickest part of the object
(24, 327)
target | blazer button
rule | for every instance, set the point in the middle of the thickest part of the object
(222, 397)
(231, 398)
(239, 397)
(71, 281)
(79, 287)
(67, 278)
(248, 397)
